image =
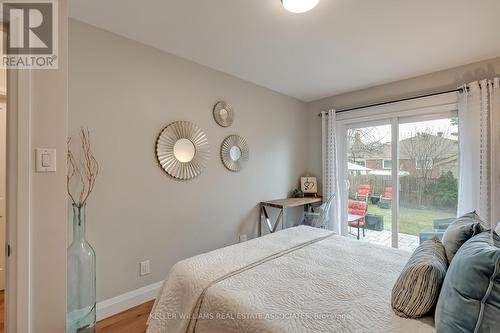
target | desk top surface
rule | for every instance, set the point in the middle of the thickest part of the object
(291, 202)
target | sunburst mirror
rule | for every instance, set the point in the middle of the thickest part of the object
(182, 150)
(223, 114)
(234, 152)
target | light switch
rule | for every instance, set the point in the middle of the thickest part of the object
(45, 160)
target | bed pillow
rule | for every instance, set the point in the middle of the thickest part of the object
(460, 231)
(417, 288)
(470, 298)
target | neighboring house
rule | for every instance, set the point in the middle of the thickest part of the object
(422, 154)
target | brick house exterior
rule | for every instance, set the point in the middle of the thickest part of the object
(441, 154)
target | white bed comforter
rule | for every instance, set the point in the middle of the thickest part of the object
(301, 279)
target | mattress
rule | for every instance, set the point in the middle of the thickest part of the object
(301, 279)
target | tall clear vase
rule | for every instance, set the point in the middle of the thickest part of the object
(81, 278)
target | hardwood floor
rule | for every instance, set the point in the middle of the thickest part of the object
(130, 321)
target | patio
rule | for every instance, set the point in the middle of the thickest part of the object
(406, 242)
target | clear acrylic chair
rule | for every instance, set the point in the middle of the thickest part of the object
(318, 216)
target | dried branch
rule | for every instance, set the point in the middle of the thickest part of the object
(82, 174)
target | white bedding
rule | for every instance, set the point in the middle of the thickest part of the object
(301, 279)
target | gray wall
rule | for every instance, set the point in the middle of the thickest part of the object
(126, 92)
(434, 82)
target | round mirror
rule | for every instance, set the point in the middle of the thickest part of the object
(235, 153)
(184, 150)
(223, 114)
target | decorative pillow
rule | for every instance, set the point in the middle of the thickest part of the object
(460, 231)
(417, 288)
(470, 297)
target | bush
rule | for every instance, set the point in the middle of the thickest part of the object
(445, 191)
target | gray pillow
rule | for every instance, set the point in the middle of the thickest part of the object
(460, 231)
(470, 298)
(417, 288)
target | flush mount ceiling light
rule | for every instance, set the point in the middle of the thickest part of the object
(299, 6)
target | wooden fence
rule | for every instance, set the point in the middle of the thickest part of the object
(414, 193)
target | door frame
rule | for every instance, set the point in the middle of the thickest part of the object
(18, 201)
(420, 109)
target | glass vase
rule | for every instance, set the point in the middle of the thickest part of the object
(81, 278)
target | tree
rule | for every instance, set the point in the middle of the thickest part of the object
(363, 141)
(425, 149)
(445, 192)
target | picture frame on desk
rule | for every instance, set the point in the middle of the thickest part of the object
(309, 185)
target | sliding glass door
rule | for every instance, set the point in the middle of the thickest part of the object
(401, 178)
(428, 160)
(368, 155)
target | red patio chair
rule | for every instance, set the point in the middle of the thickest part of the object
(364, 191)
(387, 194)
(358, 208)
(385, 199)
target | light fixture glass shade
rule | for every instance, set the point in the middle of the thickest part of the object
(299, 6)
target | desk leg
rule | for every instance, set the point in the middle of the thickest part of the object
(269, 226)
(259, 226)
(303, 219)
(283, 218)
(276, 224)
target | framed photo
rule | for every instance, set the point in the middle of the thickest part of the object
(309, 185)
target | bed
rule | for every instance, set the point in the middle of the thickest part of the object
(301, 279)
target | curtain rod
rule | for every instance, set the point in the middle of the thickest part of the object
(461, 90)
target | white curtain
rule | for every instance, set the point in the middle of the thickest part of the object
(330, 168)
(479, 128)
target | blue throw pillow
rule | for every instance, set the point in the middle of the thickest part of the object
(460, 231)
(470, 297)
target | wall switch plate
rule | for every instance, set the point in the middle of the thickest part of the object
(243, 238)
(45, 160)
(144, 268)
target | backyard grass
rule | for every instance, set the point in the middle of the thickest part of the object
(411, 221)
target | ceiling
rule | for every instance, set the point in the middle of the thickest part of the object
(339, 46)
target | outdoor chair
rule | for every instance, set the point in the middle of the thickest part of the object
(363, 193)
(438, 228)
(318, 216)
(385, 199)
(357, 215)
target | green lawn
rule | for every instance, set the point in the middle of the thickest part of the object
(411, 220)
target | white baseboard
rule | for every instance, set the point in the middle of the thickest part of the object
(120, 303)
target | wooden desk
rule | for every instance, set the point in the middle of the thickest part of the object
(282, 205)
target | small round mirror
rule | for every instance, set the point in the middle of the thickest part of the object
(223, 114)
(235, 153)
(184, 150)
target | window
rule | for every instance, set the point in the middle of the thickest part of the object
(423, 164)
(387, 164)
(424, 149)
(361, 163)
